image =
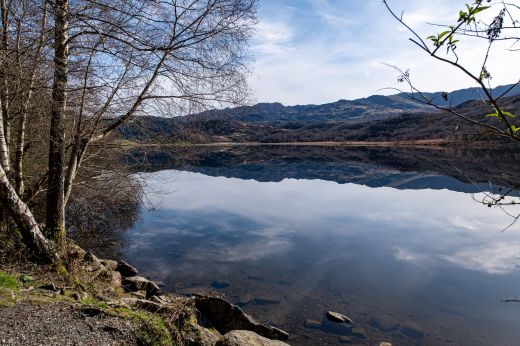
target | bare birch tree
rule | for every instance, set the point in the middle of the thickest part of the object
(106, 63)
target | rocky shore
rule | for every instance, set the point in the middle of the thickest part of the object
(106, 302)
(93, 301)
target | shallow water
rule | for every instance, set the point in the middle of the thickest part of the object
(432, 263)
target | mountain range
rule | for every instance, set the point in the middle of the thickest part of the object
(375, 118)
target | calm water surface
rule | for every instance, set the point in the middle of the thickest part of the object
(433, 261)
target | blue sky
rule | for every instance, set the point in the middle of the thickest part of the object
(318, 51)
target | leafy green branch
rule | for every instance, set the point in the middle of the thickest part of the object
(468, 22)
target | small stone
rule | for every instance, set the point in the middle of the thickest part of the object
(384, 343)
(359, 333)
(312, 324)
(337, 317)
(26, 279)
(126, 269)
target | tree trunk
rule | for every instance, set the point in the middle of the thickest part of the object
(20, 138)
(24, 219)
(55, 194)
(4, 153)
(18, 162)
(4, 93)
(76, 158)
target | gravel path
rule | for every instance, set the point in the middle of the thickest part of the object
(62, 324)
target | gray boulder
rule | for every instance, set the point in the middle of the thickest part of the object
(227, 317)
(109, 264)
(246, 338)
(200, 336)
(93, 263)
(139, 283)
(126, 269)
(76, 252)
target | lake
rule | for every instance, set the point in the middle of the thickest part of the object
(394, 238)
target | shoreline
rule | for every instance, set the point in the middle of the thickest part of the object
(423, 143)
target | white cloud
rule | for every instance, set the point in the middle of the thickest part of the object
(332, 50)
(496, 258)
(409, 256)
(471, 225)
(272, 37)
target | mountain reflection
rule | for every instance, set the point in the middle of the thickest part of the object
(464, 170)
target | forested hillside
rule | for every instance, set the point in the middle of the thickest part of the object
(377, 118)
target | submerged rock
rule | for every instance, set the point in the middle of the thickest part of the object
(385, 323)
(219, 285)
(330, 327)
(412, 330)
(227, 317)
(345, 340)
(312, 324)
(245, 337)
(336, 317)
(359, 333)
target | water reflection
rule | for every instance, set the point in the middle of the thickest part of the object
(433, 260)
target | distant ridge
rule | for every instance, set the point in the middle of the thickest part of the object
(371, 108)
(374, 118)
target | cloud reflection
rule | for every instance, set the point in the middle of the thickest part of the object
(233, 220)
